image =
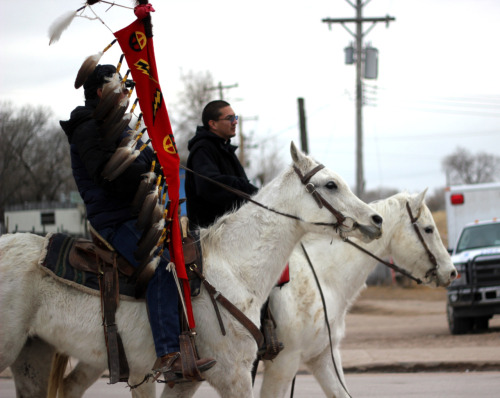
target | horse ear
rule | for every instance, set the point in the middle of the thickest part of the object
(417, 202)
(296, 154)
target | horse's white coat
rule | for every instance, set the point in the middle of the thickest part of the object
(244, 254)
(342, 270)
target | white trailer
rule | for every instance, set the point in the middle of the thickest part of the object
(470, 203)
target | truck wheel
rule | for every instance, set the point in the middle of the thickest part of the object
(481, 322)
(458, 325)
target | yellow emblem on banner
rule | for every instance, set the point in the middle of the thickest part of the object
(143, 66)
(168, 145)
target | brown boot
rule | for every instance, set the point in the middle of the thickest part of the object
(171, 366)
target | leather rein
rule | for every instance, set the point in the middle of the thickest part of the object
(217, 296)
(431, 272)
(310, 188)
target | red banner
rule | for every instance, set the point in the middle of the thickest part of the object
(140, 56)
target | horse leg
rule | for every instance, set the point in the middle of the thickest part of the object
(278, 375)
(183, 390)
(80, 379)
(324, 371)
(231, 378)
(30, 370)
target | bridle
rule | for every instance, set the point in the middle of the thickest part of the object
(321, 201)
(432, 272)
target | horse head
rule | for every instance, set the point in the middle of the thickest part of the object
(416, 242)
(331, 196)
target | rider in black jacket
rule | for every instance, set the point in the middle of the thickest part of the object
(211, 154)
(109, 211)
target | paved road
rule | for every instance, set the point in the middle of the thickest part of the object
(386, 385)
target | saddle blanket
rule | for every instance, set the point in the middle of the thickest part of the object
(55, 261)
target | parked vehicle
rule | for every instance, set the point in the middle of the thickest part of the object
(474, 298)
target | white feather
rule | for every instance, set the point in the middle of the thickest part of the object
(60, 25)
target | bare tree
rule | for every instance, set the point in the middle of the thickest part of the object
(268, 164)
(188, 108)
(34, 156)
(379, 193)
(186, 116)
(463, 167)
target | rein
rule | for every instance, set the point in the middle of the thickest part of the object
(432, 258)
(326, 321)
(310, 188)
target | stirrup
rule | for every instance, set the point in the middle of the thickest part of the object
(272, 347)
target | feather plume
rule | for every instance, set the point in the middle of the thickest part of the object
(148, 206)
(111, 95)
(87, 68)
(111, 134)
(156, 216)
(116, 115)
(60, 25)
(145, 186)
(149, 240)
(146, 275)
(122, 158)
(119, 162)
(89, 65)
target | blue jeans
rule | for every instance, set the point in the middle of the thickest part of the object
(161, 295)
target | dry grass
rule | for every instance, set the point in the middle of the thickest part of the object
(414, 292)
(440, 219)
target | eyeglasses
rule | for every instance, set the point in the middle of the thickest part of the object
(230, 118)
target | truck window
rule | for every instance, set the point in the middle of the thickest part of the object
(479, 236)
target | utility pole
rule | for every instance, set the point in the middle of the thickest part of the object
(359, 35)
(303, 126)
(241, 154)
(220, 87)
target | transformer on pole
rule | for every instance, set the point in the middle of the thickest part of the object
(354, 55)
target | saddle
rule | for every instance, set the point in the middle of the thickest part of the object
(99, 257)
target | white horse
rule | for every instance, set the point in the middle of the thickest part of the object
(244, 254)
(342, 271)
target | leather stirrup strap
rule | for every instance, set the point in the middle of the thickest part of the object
(215, 295)
(117, 360)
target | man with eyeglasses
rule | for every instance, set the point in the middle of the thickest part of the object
(211, 154)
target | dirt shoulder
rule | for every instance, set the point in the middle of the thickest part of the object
(413, 320)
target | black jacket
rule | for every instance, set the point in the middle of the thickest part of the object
(213, 157)
(107, 203)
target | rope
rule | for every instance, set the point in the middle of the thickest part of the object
(326, 321)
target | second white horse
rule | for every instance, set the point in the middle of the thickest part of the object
(342, 271)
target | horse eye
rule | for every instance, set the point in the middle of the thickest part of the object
(428, 230)
(331, 185)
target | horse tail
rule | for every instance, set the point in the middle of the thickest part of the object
(59, 363)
